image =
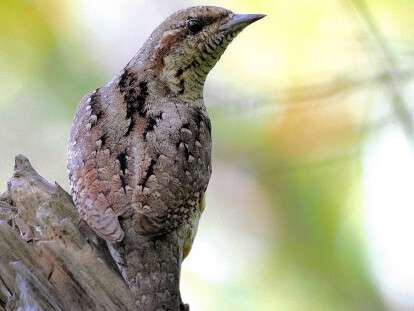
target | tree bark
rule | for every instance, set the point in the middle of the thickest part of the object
(48, 259)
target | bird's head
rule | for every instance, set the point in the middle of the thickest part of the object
(187, 45)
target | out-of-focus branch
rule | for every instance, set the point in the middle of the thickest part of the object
(299, 97)
(315, 95)
(394, 75)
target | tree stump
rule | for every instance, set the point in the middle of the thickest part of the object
(49, 260)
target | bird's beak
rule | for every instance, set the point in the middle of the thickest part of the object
(239, 21)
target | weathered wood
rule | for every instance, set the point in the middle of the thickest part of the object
(47, 260)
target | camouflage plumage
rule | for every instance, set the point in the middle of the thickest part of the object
(140, 146)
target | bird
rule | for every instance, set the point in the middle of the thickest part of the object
(139, 155)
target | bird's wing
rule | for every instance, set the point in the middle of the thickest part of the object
(96, 162)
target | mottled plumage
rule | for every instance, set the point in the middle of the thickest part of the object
(140, 146)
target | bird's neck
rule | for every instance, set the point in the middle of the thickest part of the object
(182, 77)
(185, 78)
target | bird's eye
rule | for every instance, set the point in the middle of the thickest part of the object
(194, 25)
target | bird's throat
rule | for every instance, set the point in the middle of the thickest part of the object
(184, 79)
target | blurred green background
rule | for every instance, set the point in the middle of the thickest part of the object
(310, 206)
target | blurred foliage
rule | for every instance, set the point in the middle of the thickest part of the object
(37, 51)
(303, 152)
